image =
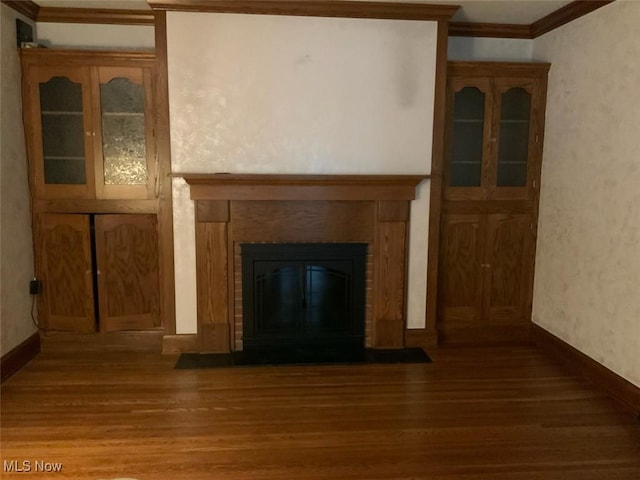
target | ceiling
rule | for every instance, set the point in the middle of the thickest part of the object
(523, 12)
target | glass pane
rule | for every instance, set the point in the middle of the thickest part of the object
(125, 161)
(121, 95)
(66, 171)
(328, 299)
(468, 131)
(62, 132)
(278, 300)
(513, 146)
(123, 133)
(61, 94)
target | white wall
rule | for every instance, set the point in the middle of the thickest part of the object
(16, 257)
(587, 285)
(276, 94)
(87, 36)
(490, 49)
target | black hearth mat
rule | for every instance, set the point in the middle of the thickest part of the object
(301, 357)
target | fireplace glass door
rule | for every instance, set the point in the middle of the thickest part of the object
(299, 295)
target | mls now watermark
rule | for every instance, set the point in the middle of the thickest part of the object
(24, 466)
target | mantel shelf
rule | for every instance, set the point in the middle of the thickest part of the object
(302, 187)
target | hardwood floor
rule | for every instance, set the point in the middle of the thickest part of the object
(503, 413)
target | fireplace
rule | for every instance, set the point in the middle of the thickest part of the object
(236, 214)
(303, 295)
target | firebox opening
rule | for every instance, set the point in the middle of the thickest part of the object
(303, 295)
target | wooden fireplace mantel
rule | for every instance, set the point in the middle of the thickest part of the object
(236, 209)
(224, 186)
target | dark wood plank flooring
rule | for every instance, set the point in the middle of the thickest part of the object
(500, 413)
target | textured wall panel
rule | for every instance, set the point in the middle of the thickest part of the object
(271, 94)
(587, 285)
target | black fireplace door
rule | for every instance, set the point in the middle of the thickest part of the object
(299, 295)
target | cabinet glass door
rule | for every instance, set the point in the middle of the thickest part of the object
(514, 140)
(61, 130)
(464, 175)
(124, 145)
(513, 147)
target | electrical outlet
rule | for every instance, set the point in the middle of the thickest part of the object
(35, 287)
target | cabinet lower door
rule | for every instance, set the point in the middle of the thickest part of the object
(460, 286)
(67, 301)
(509, 257)
(127, 257)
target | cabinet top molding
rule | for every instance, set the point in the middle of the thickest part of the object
(314, 8)
(54, 56)
(483, 69)
(302, 187)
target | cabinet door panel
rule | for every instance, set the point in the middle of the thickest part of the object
(58, 102)
(515, 137)
(509, 259)
(468, 146)
(66, 270)
(123, 102)
(127, 255)
(461, 253)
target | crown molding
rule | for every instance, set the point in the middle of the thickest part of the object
(95, 15)
(27, 8)
(560, 17)
(494, 30)
(314, 8)
(566, 14)
(317, 8)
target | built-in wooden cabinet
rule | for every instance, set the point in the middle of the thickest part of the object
(491, 178)
(91, 125)
(89, 119)
(486, 262)
(99, 272)
(495, 133)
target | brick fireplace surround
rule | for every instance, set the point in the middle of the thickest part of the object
(233, 209)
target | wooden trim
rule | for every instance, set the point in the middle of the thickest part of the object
(51, 57)
(88, 205)
(24, 7)
(175, 344)
(17, 358)
(556, 19)
(163, 179)
(149, 341)
(493, 30)
(435, 191)
(393, 211)
(313, 8)
(623, 391)
(488, 69)
(95, 15)
(212, 287)
(419, 337)
(564, 15)
(296, 187)
(212, 211)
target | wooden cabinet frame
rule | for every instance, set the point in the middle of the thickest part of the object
(89, 67)
(494, 79)
(485, 295)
